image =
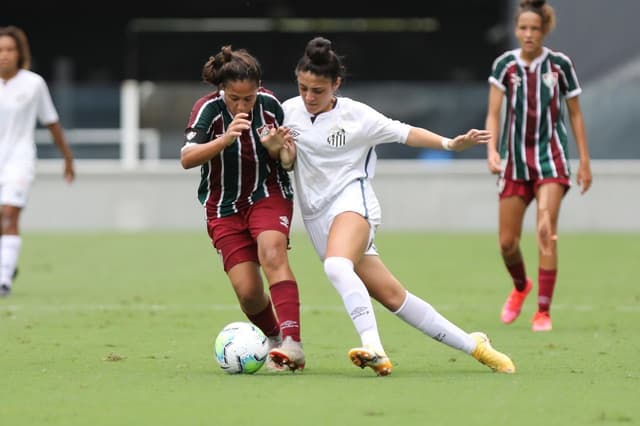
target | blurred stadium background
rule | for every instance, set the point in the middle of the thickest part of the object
(124, 78)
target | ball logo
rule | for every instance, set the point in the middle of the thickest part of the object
(337, 138)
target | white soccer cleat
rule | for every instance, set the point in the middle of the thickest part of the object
(289, 356)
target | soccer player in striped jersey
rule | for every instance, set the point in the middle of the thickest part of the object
(333, 159)
(24, 100)
(532, 157)
(234, 134)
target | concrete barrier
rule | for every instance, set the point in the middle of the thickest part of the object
(458, 195)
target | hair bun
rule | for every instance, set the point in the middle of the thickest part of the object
(533, 3)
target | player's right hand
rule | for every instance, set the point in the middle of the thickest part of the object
(493, 162)
(236, 127)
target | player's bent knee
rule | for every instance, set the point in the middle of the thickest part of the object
(337, 267)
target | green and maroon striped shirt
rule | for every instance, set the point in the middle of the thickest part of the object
(533, 140)
(244, 172)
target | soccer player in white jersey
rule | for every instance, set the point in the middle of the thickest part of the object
(24, 98)
(333, 157)
(532, 155)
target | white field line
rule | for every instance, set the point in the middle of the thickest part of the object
(141, 307)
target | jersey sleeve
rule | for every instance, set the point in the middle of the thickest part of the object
(272, 106)
(569, 85)
(382, 129)
(200, 125)
(499, 71)
(46, 110)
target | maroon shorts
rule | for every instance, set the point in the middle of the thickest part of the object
(235, 237)
(526, 189)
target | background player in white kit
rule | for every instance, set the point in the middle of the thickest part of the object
(24, 97)
(333, 158)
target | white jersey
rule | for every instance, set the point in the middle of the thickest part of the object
(336, 149)
(23, 99)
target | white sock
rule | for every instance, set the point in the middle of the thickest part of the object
(425, 318)
(356, 299)
(9, 252)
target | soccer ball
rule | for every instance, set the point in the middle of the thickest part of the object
(241, 347)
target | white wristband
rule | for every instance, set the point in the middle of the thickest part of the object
(445, 144)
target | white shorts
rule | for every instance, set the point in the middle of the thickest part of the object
(356, 197)
(15, 183)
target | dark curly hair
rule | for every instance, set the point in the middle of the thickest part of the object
(231, 65)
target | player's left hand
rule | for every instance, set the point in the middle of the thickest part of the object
(471, 138)
(275, 140)
(288, 153)
(69, 172)
(584, 177)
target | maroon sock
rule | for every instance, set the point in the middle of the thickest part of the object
(287, 303)
(518, 275)
(266, 321)
(546, 284)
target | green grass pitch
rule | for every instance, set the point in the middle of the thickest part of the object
(118, 329)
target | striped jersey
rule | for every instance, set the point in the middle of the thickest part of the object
(243, 172)
(533, 141)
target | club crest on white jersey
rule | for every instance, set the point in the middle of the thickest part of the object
(337, 138)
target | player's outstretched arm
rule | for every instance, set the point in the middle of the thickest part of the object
(423, 138)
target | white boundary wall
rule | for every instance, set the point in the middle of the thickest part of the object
(458, 195)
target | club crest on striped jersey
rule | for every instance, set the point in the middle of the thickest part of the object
(264, 130)
(550, 79)
(337, 138)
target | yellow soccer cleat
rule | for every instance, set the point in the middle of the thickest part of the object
(367, 357)
(487, 355)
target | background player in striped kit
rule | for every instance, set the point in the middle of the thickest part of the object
(532, 157)
(24, 98)
(234, 135)
(333, 159)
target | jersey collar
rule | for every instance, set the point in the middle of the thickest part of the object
(534, 64)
